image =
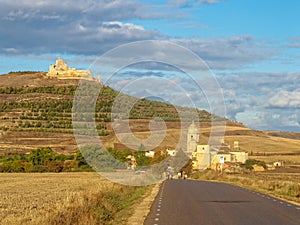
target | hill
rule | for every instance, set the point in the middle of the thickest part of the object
(283, 134)
(36, 111)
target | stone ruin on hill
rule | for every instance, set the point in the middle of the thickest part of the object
(61, 70)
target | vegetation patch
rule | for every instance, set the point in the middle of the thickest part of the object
(282, 185)
(65, 199)
(104, 207)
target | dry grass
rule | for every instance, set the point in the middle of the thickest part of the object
(265, 144)
(281, 185)
(249, 140)
(62, 198)
(288, 159)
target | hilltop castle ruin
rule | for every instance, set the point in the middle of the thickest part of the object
(61, 70)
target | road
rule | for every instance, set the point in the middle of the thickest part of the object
(190, 202)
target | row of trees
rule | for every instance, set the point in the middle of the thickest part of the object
(62, 90)
(43, 109)
(44, 160)
(47, 160)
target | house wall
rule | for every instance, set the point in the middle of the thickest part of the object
(240, 156)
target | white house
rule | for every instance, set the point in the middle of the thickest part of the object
(150, 154)
(171, 152)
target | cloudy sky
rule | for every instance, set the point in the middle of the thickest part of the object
(252, 47)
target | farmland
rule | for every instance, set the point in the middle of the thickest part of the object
(64, 198)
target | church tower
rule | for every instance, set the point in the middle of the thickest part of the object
(192, 138)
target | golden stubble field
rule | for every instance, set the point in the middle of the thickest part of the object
(50, 198)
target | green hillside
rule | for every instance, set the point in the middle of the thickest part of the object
(36, 112)
(49, 109)
(32, 104)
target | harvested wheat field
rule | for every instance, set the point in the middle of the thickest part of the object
(63, 198)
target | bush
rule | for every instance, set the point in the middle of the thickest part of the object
(251, 162)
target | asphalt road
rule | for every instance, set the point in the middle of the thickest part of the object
(189, 202)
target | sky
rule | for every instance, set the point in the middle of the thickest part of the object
(251, 48)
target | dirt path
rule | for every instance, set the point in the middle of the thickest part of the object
(142, 209)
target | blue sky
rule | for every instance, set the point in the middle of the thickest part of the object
(251, 46)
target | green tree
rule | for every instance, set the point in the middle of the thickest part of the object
(41, 156)
(80, 159)
(141, 159)
(251, 162)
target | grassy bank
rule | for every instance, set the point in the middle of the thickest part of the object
(65, 198)
(281, 185)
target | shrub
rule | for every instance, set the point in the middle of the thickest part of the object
(251, 162)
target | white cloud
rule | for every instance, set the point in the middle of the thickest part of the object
(81, 26)
(284, 98)
(78, 37)
(191, 3)
(92, 27)
(230, 53)
(10, 50)
(294, 42)
(263, 100)
(70, 9)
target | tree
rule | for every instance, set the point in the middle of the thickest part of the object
(41, 156)
(251, 162)
(141, 159)
(80, 159)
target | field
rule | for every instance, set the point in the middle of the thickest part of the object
(64, 198)
(288, 159)
(281, 185)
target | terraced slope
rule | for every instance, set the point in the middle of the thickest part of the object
(36, 111)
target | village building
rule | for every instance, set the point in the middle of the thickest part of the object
(150, 154)
(207, 156)
(202, 157)
(278, 163)
(171, 152)
(239, 156)
(192, 138)
(200, 154)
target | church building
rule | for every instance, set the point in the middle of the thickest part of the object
(207, 156)
(200, 154)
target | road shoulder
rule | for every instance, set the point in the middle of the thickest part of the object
(142, 209)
